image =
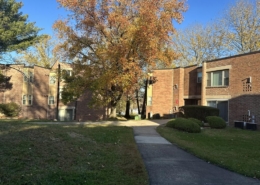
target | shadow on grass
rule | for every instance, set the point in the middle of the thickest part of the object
(69, 154)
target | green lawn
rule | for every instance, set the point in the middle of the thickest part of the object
(69, 154)
(234, 149)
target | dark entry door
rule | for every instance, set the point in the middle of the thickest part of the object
(223, 109)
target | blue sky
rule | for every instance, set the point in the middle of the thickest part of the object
(45, 12)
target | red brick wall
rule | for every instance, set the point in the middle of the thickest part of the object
(85, 112)
(191, 87)
(242, 67)
(12, 91)
(40, 108)
(162, 95)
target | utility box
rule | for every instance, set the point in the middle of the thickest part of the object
(240, 124)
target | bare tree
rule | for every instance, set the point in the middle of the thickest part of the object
(198, 43)
(41, 54)
(243, 21)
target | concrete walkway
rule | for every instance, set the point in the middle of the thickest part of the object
(169, 165)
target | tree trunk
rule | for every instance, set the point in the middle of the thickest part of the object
(127, 109)
(144, 102)
(113, 112)
(137, 102)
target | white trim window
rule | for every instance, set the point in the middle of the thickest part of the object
(30, 99)
(24, 99)
(27, 99)
(52, 79)
(28, 77)
(60, 92)
(218, 78)
(67, 71)
(51, 100)
(149, 100)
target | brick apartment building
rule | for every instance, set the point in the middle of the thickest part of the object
(231, 84)
(36, 90)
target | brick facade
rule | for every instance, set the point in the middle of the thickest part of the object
(40, 89)
(162, 93)
(240, 96)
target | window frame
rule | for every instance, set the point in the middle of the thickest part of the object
(199, 77)
(30, 99)
(24, 99)
(60, 92)
(27, 99)
(149, 101)
(28, 77)
(224, 78)
(51, 100)
(51, 79)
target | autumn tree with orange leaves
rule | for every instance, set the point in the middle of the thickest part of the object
(115, 43)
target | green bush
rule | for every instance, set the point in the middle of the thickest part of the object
(184, 125)
(156, 116)
(200, 123)
(198, 112)
(216, 122)
(10, 109)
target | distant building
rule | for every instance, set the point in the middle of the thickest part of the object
(231, 84)
(35, 89)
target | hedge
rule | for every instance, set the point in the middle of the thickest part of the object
(198, 112)
(184, 125)
(200, 123)
(216, 122)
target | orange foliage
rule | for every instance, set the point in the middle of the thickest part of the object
(121, 40)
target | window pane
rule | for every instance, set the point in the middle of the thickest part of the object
(29, 99)
(51, 100)
(60, 92)
(149, 101)
(30, 76)
(52, 79)
(217, 78)
(199, 77)
(212, 104)
(226, 77)
(208, 79)
(24, 99)
(25, 78)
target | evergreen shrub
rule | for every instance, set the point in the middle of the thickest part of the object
(216, 122)
(198, 112)
(184, 125)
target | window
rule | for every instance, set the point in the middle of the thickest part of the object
(60, 92)
(52, 79)
(212, 104)
(24, 99)
(66, 72)
(27, 99)
(28, 77)
(199, 77)
(30, 74)
(218, 78)
(149, 100)
(51, 100)
(69, 72)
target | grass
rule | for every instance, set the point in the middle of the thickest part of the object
(234, 149)
(69, 154)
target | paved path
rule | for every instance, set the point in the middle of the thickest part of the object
(168, 165)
